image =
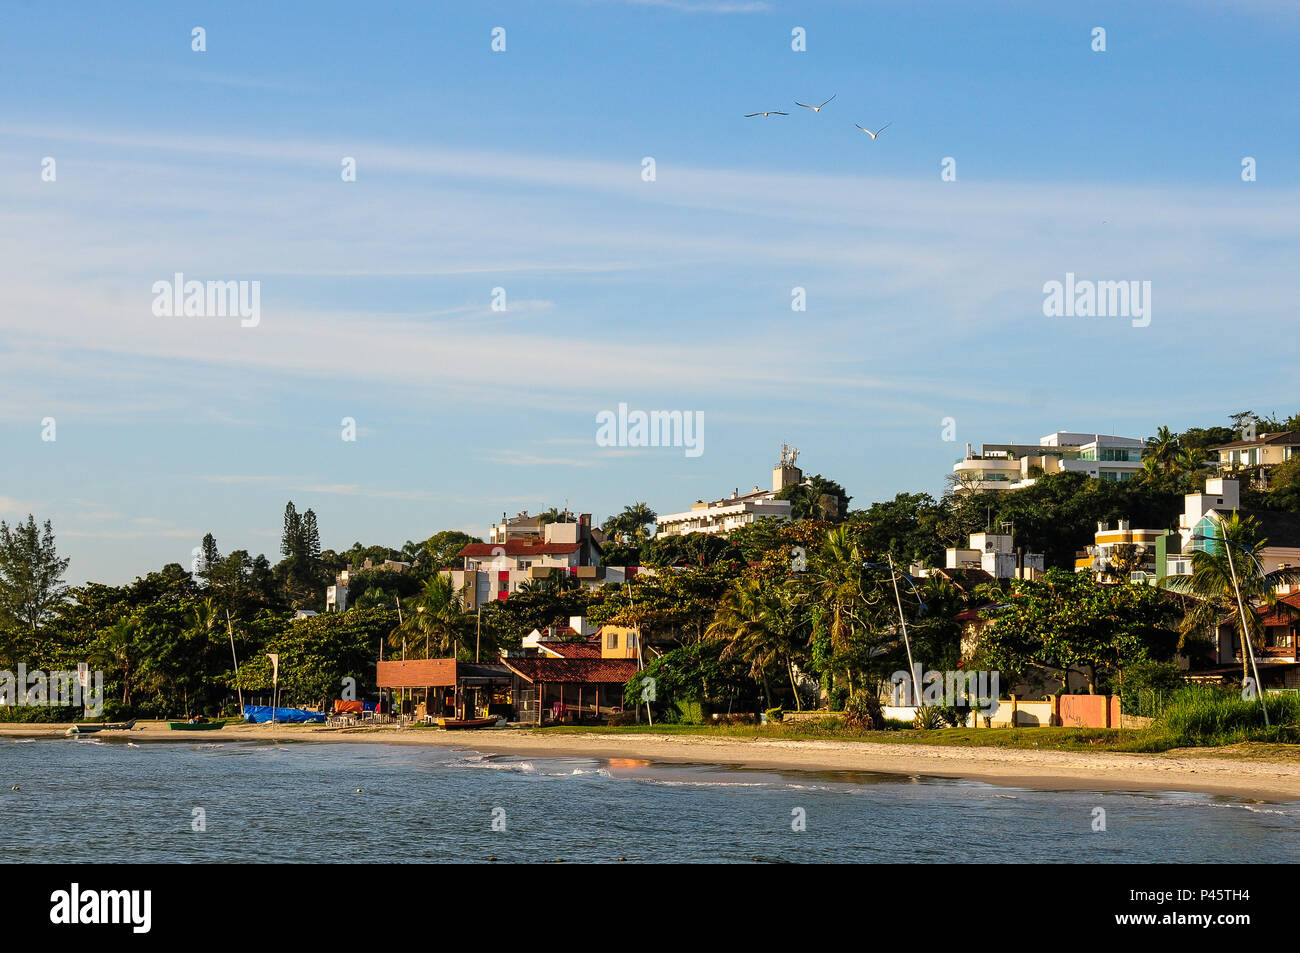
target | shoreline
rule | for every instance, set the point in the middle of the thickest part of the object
(1008, 767)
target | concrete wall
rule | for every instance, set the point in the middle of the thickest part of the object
(1070, 711)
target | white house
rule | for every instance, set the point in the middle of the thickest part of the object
(1013, 466)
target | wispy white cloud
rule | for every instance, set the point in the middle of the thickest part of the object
(961, 253)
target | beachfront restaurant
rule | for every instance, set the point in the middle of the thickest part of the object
(559, 690)
(429, 689)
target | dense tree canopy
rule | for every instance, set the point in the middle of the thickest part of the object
(753, 619)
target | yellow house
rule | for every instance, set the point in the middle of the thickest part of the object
(617, 641)
(1259, 452)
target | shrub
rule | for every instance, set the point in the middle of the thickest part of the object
(1144, 687)
(773, 714)
(690, 713)
(863, 712)
(33, 714)
(954, 715)
(927, 718)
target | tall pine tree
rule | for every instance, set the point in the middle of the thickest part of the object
(209, 558)
(290, 538)
(310, 538)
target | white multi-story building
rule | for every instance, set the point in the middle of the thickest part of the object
(720, 517)
(1106, 556)
(1013, 466)
(995, 553)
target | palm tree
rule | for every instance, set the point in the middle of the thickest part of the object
(637, 519)
(837, 582)
(205, 617)
(1163, 448)
(754, 619)
(1189, 461)
(436, 616)
(1211, 583)
(117, 643)
(631, 527)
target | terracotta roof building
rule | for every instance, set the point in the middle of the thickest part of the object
(559, 690)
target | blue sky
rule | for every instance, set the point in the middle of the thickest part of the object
(522, 170)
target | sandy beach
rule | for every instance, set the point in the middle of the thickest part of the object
(1049, 770)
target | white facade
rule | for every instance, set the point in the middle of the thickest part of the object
(1099, 558)
(1014, 466)
(722, 516)
(994, 553)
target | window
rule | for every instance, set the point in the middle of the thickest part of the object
(1206, 527)
(611, 640)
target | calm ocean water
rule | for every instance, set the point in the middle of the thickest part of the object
(97, 801)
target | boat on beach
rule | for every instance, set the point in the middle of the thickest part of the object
(107, 726)
(195, 725)
(452, 724)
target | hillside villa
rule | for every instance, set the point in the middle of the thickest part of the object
(1014, 466)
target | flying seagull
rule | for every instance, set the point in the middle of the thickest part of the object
(815, 109)
(770, 112)
(877, 132)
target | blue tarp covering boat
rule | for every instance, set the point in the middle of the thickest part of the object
(262, 713)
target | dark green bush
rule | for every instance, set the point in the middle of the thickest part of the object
(863, 712)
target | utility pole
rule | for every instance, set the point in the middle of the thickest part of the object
(1246, 645)
(911, 666)
(231, 631)
(640, 658)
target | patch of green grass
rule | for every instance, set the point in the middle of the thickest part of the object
(1202, 715)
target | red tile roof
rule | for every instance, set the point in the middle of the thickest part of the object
(588, 649)
(521, 547)
(589, 671)
(1278, 615)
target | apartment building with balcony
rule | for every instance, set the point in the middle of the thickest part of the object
(1255, 457)
(720, 517)
(1122, 554)
(1014, 466)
